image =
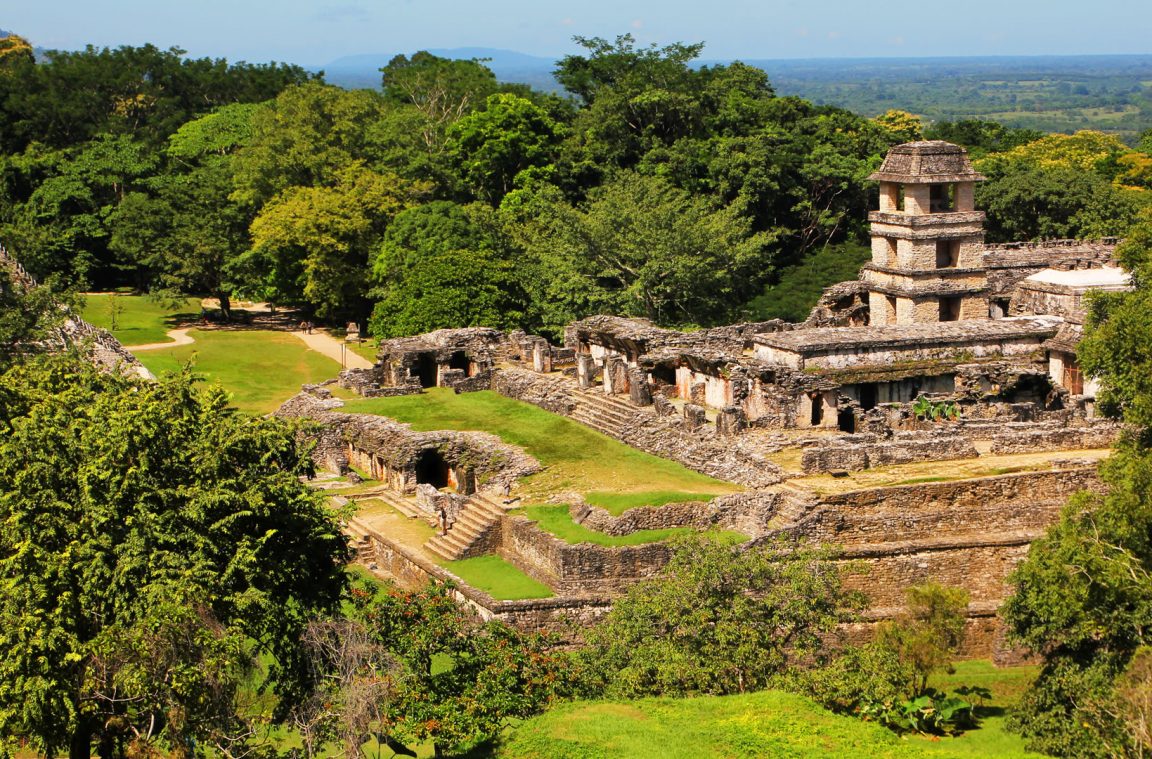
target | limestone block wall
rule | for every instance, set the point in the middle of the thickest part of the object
(744, 512)
(851, 453)
(1027, 439)
(582, 569)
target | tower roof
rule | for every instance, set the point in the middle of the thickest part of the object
(927, 162)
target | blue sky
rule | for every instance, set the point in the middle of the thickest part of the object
(315, 32)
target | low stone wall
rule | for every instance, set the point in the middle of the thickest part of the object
(1024, 439)
(481, 381)
(549, 393)
(564, 616)
(848, 455)
(743, 512)
(581, 569)
(992, 506)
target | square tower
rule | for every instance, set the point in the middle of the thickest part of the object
(927, 238)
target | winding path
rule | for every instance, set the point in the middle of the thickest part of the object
(179, 337)
(329, 346)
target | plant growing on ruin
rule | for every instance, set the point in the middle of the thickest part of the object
(719, 619)
(925, 409)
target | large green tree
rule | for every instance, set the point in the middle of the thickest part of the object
(639, 247)
(117, 496)
(719, 619)
(1083, 597)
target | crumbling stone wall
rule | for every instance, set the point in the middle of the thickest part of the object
(1029, 438)
(743, 512)
(583, 569)
(856, 452)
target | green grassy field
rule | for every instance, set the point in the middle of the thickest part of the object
(617, 503)
(578, 459)
(260, 369)
(498, 578)
(766, 724)
(139, 320)
(556, 519)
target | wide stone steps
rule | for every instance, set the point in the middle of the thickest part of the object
(479, 515)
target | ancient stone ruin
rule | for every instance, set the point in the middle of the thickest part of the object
(944, 350)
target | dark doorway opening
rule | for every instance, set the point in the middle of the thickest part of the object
(846, 420)
(459, 360)
(426, 370)
(947, 254)
(868, 396)
(431, 469)
(817, 416)
(664, 374)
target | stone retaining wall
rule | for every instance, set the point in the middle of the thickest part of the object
(743, 512)
(848, 455)
(583, 569)
(1024, 440)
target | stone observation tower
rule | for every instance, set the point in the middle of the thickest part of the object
(927, 238)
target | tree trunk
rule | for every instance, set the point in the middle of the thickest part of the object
(225, 306)
(81, 744)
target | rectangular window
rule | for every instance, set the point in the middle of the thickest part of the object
(941, 198)
(950, 309)
(947, 254)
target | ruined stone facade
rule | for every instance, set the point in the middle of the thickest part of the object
(945, 350)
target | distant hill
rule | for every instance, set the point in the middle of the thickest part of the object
(360, 71)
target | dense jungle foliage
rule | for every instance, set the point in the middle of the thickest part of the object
(687, 195)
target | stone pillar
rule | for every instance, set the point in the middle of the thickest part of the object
(612, 375)
(697, 393)
(586, 370)
(638, 390)
(541, 355)
(730, 421)
(694, 417)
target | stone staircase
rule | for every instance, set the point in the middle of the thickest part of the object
(479, 517)
(795, 505)
(604, 413)
(405, 506)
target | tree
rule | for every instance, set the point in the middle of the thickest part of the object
(639, 247)
(183, 233)
(460, 680)
(27, 313)
(442, 265)
(904, 126)
(491, 147)
(719, 619)
(115, 493)
(441, 89)
(928, 634)
(1083, 597)
(310, 244)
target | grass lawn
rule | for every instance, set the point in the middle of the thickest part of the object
(617, 503)
(577, 458)
(498, 578)
(260, 369)
(556, 519)
(139, 320)
(765, 724)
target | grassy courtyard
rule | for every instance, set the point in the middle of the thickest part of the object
(498, 578)
(259, 368)
(139, 320)
(556, 519)
(577, 459)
